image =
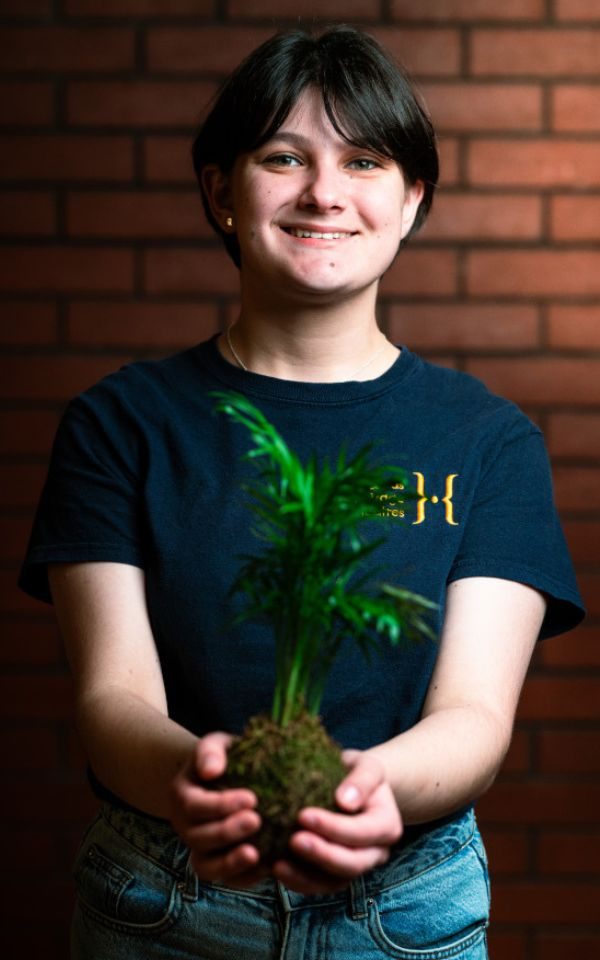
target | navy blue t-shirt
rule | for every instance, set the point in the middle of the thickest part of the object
(144, 472)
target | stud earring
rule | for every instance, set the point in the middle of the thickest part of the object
(229, 222)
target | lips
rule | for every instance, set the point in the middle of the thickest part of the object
(305, 234)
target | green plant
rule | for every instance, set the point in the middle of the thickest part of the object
(309, 584)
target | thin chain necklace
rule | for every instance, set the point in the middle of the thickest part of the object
(353, 376)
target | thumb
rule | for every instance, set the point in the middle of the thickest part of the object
(366, 774)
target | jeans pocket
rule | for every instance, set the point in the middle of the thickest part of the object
(120, 887)
(439, 913)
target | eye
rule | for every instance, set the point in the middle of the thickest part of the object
(364, 163)
(282, 160)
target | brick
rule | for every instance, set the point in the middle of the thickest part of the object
(534, 163)
(47, 939)
(574, 435)
(168, 160)
(220, 48)
(63, 802)
(27, 431)
(540, 380)
(14, 601)
(24, 847)
(577, 489)
(25, 103)
(506, 946)
(28, 748)
(139, 8)
(48, 269)
(27, 8)
(27, 213)
(536, 273)
(431, 273)
(517, 760)
(431, 52)
(468, 10)
(66, 158)
(463, 326)
(566, 945)
(33, 643)
(545, 53)
(578, 648)
(449, 161)
(545, 903)
(27, 322)
(181, 270)
(479, 107)
(206, 49)
(345, 10)
(21, 483)
(577, 10)
(589, 585)
(575, 217)
(470, 216)
(66, 49)
(507, 850)
(576, 109)
(147, 324)
(139, 103)
(136, 215)
(14, 534)
(583, 537)
(36, 697)
(569, 751)
(574, 327)
(564, 698)
(53, 378)
(540, 803)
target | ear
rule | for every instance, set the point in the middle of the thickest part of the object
(217, 190)
(412, 198)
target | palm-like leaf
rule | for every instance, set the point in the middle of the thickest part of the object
(306, 582)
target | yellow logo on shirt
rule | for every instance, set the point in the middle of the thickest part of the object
(390, 504)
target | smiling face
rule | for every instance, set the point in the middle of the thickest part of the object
(316, 218)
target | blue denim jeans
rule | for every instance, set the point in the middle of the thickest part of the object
(139, 898)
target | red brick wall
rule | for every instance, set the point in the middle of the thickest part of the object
(105, 256)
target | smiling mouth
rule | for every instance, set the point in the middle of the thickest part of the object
(317, 234)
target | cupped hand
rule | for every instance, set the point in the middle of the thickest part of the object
(333, 848)
(216, 824)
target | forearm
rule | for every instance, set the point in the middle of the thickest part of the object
(134, 749)
(444, 762)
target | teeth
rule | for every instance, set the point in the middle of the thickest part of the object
(316, 235)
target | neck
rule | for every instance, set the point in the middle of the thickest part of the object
(311, 344)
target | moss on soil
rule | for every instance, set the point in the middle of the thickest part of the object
(288, 768)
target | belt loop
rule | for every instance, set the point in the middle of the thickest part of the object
(358, 899)
(189, 885)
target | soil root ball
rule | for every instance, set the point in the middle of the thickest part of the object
(288, 768)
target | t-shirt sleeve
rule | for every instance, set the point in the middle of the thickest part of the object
(514, 532)
(89, 508)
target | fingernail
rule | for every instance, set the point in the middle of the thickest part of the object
(351, 796)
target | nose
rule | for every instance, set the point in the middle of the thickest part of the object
(323, 188)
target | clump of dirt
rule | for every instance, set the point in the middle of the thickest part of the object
(288, 768)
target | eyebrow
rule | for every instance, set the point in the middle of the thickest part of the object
(289, 137)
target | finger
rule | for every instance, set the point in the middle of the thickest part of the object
(381, 824)
(193, 804)
(336, 859)
(218, 834)
(227, 866)
(211, 755)
(366, 774)
(305, 879)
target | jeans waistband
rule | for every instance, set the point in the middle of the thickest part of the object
(152, 836)
(155, 838)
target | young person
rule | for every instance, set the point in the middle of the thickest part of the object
(316, 163)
